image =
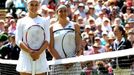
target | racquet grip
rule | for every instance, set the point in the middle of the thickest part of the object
(33, 67)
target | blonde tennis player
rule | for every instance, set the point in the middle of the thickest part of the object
(65, 43)
(32, 36)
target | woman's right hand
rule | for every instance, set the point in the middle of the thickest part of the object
(67, 66)
(35, 55)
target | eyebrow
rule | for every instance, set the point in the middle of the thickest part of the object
(34, 4)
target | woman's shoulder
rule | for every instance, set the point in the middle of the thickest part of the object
(54, 24)
(73, 24)
(22, 19)
(127, 41)
(43, 19)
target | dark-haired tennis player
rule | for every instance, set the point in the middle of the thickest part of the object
(65, 42)
(32, 36)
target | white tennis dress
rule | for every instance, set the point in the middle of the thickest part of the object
(25, 61)
(65, 40)
(64, 43)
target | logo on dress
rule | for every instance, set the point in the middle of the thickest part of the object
(69, 26)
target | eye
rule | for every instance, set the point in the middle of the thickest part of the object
(34, 4)
(31, 4)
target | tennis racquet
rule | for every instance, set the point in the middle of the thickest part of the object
(69, 39)
(35, 36)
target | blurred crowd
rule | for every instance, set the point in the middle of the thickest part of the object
(96, 18)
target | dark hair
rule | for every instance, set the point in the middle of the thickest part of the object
(51, 1)
(122, 30)
(130, 8)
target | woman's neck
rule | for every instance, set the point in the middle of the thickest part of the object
(119, 38)
(32, 15)
(63, 22)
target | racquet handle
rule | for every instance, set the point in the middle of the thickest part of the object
(33, 67)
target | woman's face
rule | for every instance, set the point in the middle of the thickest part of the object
(117, 32)
(91, 22)
(1, 24)
(62, 13)
(96, 49)
(106, 23)
(91, 10)
(131, 37)
(128, 10)
(33, 7)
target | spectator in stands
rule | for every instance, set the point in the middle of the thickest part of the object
(102, 68)
(2, 23)
(14, 50)
(105, 11)
(131, 22)
(3, 41)
(44, 11)
(9, 3)
(75, 16)
(127, 27)
(5, 29)
(109, 43)
(118, 21)
(20, 4)
(91, 11)
(58, 50)
(106, 26)
(98, 7)
(10, 50)
(131, 36)
(127, 3)
(104, 38)
(91, 38)
(70, 12)
(52, 5)
(8, 18)
(84, 43)
(96, 49)
(100, 18)
(92, 23)
(113, 14)
(86, 30)
(51, 13)
(27, 55)
(88, 68)
(12, 27)
(81, 11)
(129, 12)
(99, 30)
(44, 2)
(80, 21)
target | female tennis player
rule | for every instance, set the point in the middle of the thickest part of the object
(32, 36)
(65, 43)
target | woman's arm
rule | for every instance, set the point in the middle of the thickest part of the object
(78, 40)
(51, 49)
(19, 37)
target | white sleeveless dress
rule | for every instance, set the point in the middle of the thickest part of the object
(64, 43)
